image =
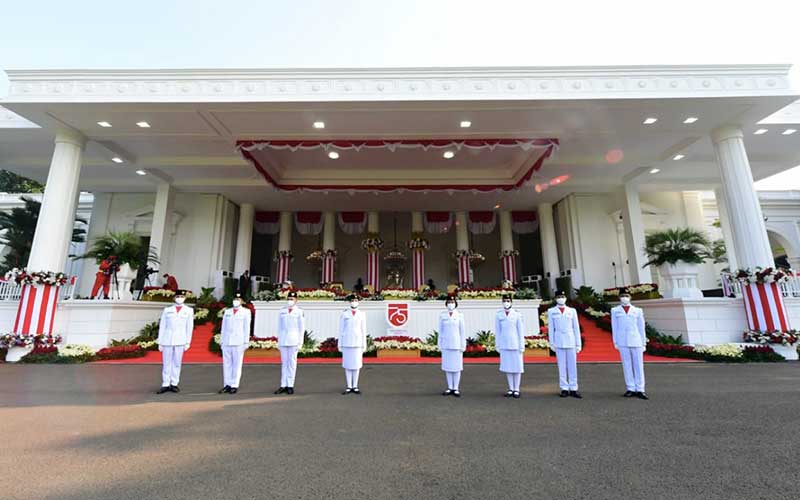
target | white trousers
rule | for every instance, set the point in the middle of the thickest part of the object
(288, 365)
(171, 358)
(567, 369)
(232, 359)
(514, 379)
(351, 377)
(633, 368)
(453, 379)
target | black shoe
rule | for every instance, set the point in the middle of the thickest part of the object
(448, 392)
(641, 395)
(516, 395)
(508, 394)
(280, 390)
(629, 394)
(234, 390)
(225, 389)
(575, 394)
(456, 393)
(347, 391)
(290, 390)
(174, 388)
(163, 390)
(356, 391)
(563, 394)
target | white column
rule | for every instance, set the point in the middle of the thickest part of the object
(329, 231)
(506, 236)
(373, 222)
(693, 210)
(747, 222)
(547, 235)
(57, 216)
(285, 235)
(417, 226)
(634, 235)
(462, 238)
(725, 226)
(244, 238)
(160, 230)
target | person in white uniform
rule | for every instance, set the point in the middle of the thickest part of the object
(352, 340)
(628, 332)
(510, 343)
(564, 335)
(291, 327)
(452, 343)
(235, 341)
(174, 338)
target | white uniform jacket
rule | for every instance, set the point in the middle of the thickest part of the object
(236, 327)
(451, 331)
(510, 331)
(175, 328)
(291, 326)
(563, 329)
(627, 329)
(353, 329)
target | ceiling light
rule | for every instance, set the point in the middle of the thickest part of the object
(333, 155)
(760, 131)
(117, 159)
(690, 119)
(650, 121)
(104, 124)
(655, 170)
(789, 131)
(448, 154)
(678, 157)
(319, 124)
(141, 172)
(142, 124)
(466, 124)
(497, 206)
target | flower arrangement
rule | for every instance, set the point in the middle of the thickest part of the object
(23, 277)
(372, 244)
(763, 275)
(508, 253)
(773, 337)
(148, 345)
(595, 313)
(120, 352)
(641, 291)
(537, 342)
(485, 293)
(402, 343)
(76, 351)
(259, 342)
(18, 340)
(164, 295)
(201, 314)
(309, 294)
(418, 242)
(730, 353)
(734, 351)
(399, 294)
(671, 246)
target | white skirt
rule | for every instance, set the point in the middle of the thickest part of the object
(511, 361)
(352, 358)
(452, 360)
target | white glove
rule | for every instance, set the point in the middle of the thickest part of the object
(160, 347)
(578, 350)
(616, 347)
(644, 348)
(187, 347)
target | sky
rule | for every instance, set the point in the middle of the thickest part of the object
(149, 34)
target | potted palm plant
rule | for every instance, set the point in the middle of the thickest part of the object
(677, 253)
(130, 253)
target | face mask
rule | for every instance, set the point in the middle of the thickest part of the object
(290, 302)
(237, 303)
(354, 304)
(561, 301)
(626, 301)
(179, 300)
(507, 305)
(451, 306)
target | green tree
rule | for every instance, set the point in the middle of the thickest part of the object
(13, 183)
(19, 225)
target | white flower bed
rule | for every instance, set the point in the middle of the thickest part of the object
(727, 350)
(75, 351)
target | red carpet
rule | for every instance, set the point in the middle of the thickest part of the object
(599, 349)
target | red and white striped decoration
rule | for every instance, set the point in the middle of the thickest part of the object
(283, 269)
(463, 270)
(764, 307)
(37, 310)
(509, 268)
(328, 267)
(417, 267)
(374, 270)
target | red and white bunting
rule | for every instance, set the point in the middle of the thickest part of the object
(282, 273)
(37, 310)
(352, 222)
(308, 222)
(481, 222)
(463, 270)
(267, 222)
(764, 307)
(328, 269)
(418, 267)
(509, 268)
(374, 270)
(438, 222)
(524, 222)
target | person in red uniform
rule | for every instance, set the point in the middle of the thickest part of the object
(170, 282)
(102, 279)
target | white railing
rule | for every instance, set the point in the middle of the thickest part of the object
(12, 291)
(788, 288)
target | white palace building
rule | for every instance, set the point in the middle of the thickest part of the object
(226, 170)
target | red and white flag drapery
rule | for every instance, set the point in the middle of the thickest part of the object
(328, 267)
(764, 307)
(509, 268)
(524, 222)
(352, 222)
(374, 269)
(267, 222)
(308, 222)
(282, 274)
(37, 310)
(438, 222)
(417, 267)
(463, 270)
(481, 222)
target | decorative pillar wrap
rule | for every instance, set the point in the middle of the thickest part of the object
(463, 269)
(374, 269)
(510, 268)
(418, 244)
(37, 310)
(328, 266)
(328, 247)
(508, 255)
(764, 307)
(373, 244)
(282, 274)
(418, 267)
(284, 248)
